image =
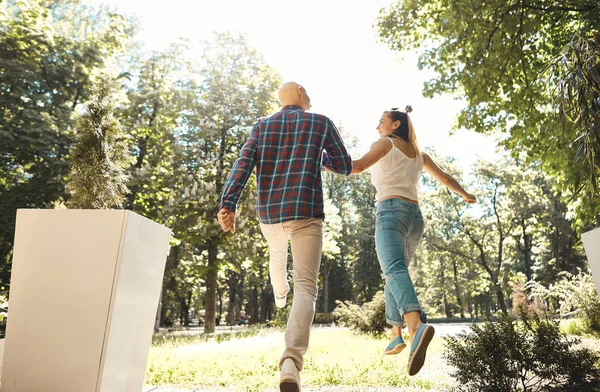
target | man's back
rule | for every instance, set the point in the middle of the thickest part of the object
(288, 164)
(286, 148)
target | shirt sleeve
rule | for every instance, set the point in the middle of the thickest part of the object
(336, 157)
(240, 172)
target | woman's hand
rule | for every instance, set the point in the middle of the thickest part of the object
(469, 198)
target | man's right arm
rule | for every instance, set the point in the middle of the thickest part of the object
(336, 156)
(240, 172)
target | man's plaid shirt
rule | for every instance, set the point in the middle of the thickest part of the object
(287, 150)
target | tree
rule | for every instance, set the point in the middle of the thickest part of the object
(48, 52)
(495, 54)
(236, 87)
(100, 155)
(576, 75)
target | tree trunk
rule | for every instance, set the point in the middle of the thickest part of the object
(457, 289)
(444, 297)
(220, 297)
(211, 291)
(326, 271)
(500, 296)
(264, 304)
(158, 312)
(231, 308)
(184, 303)
(253, 305)
(527, 249)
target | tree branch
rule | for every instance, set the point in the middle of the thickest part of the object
(586, 8)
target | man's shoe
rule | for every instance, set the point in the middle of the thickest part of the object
(289, 377)
(395, 346)
(418, 348)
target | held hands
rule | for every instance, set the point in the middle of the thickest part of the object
(469, 198)
(226, 219)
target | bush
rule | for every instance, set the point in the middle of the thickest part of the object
(369, 318)
(521, 355)
(523, 301)
(573, 292)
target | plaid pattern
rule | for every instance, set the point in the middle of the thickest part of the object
(288, 149)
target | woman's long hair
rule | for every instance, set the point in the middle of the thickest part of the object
(405, 131)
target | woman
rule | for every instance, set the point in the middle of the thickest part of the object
(397, 166)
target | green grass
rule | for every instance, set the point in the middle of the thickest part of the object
(336, 357)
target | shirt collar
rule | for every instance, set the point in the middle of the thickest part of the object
(292, 107)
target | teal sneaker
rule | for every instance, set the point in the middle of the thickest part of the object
(418, 348)
(395, 346)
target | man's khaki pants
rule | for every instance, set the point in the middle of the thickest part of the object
(306, 237)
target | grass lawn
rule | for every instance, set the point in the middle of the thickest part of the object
(337, 360)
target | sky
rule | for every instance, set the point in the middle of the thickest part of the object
(328, 46)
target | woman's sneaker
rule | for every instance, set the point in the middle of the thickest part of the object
(396, 345)
(418, 348)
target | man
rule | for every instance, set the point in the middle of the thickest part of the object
(288, 149)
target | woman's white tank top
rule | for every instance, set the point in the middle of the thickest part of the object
(397, 174)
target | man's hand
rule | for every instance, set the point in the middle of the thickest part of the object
(226, 219)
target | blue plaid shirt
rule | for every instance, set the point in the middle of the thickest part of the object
(288, 149)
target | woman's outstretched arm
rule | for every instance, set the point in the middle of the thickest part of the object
(446, 179)
(378, 150)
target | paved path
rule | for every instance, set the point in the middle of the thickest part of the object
(325, 389)
(450, 329)
(441, 329)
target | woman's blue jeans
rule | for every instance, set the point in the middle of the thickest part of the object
(398, 232)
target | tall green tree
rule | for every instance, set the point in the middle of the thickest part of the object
(48, 52)
(236, 87)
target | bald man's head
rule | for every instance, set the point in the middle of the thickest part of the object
(291, 93)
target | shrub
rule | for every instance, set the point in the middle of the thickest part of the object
(528, 354)
(530, 304)
(100, 155)
(368, 318)
(573, 292)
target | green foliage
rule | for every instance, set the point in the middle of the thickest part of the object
(368, 318)
(576, 75)
(496, 54)
(519, 230)
(575, 327)
(230, 88)
(521, 355)
(48, 52)
(100, 154)
(573, 293)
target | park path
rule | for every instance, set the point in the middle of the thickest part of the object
(324, 389)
